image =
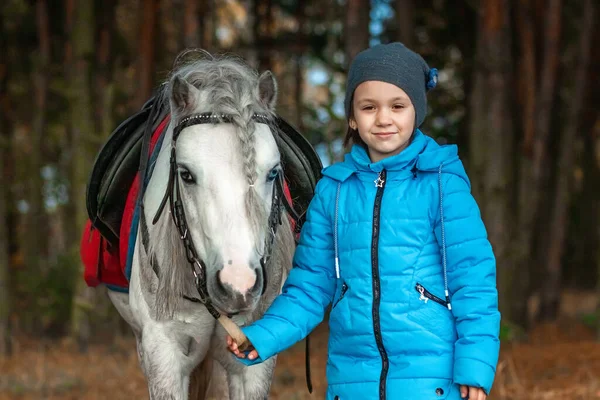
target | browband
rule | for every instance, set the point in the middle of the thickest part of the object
(209, 118)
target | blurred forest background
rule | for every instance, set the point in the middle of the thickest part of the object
(518, 92)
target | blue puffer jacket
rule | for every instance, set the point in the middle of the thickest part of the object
(392, 333)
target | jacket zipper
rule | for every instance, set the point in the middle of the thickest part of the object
(380, 184)
(426, 295)
(343, 292)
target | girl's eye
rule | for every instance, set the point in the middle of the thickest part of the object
(398, 106)
(186, 176)
(368, 108)
(273, 174)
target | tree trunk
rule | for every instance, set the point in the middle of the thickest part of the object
(104, 87)
(5, 184)
(562, 195)
(527, 73)
(491, 142)
(147, 45)
(356, 30)
(207, 24)
(534, 178)
(5, 303)
(83, 138)
(35, 239)
(68, 211)
(466, 40)
(299, 81)
(525, 98)
(191, 24)
(405, 21)
(594, 173)
(263, 21)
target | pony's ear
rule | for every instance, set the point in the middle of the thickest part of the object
(183, 94)
(267, 89)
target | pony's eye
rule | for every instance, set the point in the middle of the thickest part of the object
(186, 176)
(274, 173)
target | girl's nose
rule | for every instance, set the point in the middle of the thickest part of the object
(384, 117)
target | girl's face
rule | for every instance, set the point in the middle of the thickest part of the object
(384, 117)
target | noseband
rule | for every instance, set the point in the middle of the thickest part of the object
(173, 195)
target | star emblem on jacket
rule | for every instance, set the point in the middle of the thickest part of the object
(379, 182)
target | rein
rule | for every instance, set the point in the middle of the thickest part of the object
(173, 195)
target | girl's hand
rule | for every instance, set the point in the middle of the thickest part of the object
(233, 347)
(474, 393)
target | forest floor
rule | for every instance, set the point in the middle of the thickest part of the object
(555, 361)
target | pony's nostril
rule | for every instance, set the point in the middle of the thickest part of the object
(259, 285)
(219, 283)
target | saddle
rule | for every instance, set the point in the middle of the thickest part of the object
(121, 157)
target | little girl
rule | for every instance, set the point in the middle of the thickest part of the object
(395, 242)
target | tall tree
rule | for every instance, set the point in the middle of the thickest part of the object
(526, 73)
(148, 26)
(562, 194)
(596, 174)
(5, 134)
(405, 21)
(356, 28)
(490, 127)
(534, 176)
(192, 24)
(104, 87)
(82, 143)
(262, 29)
(525, 96)
(35, 240)
(68, 210)
(207, 16)
(299, 70)
(5, 303)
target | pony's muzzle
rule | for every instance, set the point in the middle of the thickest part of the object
(238, 289)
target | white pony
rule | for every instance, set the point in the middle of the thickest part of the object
(208, 234)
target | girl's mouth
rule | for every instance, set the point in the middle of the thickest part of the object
(384, 133)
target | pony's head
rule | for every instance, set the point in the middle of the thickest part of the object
(225, 173)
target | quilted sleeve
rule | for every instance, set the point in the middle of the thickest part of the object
(307, 291)
(471, 273)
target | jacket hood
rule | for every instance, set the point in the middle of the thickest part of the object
(423, 154)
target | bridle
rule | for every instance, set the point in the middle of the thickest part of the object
(173, 195)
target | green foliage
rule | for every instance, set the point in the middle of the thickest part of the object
(592, 320)
(511, 332)
(49, 294)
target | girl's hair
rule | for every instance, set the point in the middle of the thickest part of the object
(352, 135)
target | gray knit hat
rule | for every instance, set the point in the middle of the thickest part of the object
(396, 64)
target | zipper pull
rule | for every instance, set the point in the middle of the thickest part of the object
(421, 290)
(448, 300)
(379, 181)
(337, 268)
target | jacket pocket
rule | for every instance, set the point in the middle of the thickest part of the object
(425, 295)
(430, 314)
(341, 296)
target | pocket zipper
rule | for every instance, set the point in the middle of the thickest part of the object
(426, 296)
(344, 290)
